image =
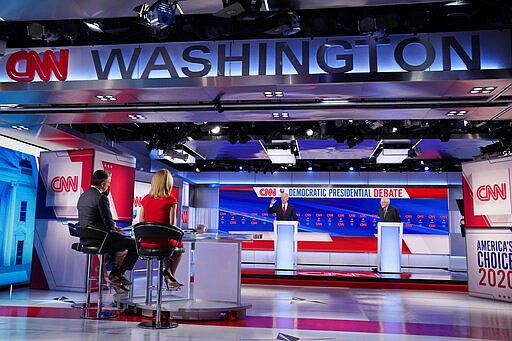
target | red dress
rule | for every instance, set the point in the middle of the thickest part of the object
(158, 211)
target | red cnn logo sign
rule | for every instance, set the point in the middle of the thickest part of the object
(184, 217)
(268, 192)
(494, 192)
(137, 201)
(65, 184)
(33, 64)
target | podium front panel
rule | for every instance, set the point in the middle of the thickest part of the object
(285, 244)
(390, 247)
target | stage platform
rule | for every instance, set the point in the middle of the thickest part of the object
(360, 277)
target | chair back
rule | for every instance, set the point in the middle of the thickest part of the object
(157, 230)
(74, 229)
(95, 238)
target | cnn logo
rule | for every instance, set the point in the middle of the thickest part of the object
(267, 192)
(494, 192)
(137, 201)
(64, 184)
(33, 64)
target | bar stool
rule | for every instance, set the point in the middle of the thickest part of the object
(163, 231)
(99, 237)
(74, 231)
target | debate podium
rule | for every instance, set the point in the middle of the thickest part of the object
(285, 244)
(389, 247)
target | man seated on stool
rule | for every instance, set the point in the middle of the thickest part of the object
(285, 211)
(94, 211)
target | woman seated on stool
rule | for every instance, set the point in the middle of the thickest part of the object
(159, 206)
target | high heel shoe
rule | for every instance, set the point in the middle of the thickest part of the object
(171, 281)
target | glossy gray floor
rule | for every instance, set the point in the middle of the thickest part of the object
(278, 313)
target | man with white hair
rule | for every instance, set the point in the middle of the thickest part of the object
(284, 211)
(388, 213)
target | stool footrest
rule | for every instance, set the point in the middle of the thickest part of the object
(153, 325)
(103, 315)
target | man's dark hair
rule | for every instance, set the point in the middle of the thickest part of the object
(99, 176)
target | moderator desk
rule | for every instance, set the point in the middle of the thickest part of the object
(214, 263)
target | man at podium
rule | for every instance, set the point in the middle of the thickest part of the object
(284, 211)
(388, 213)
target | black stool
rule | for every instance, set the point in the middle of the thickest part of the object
(74, 231)
(156, 230)
(98, 238)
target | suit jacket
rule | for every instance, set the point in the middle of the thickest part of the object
(280, 215)
(94, 210)
(391, 215)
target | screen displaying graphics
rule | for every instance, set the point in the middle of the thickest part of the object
(336, 211)
(18, 180)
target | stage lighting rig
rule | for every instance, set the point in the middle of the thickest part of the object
(159, 15)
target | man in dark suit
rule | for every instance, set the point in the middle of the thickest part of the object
(94, 211)
(388, 213)
(284, 211)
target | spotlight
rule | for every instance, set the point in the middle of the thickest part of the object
(367, 25)
(310, 168)
(353, 140)
(94, 26)
(414, 152)
(36, 31)
(309, 132)
(339, 138)
(426, 168)
(294, 19)
(215, 130)
(218, 106)
(157, 16)
(286, 24)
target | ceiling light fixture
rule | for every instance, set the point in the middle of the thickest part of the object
(106, 98)
(456, 113)
(20, 127)
(334, 101)
(94, 26)
(137, 117)
(273, 94)
(280, 115)
(158, 15)
(457, 3)
(482, 89)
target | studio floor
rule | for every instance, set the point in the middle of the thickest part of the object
(278, 313)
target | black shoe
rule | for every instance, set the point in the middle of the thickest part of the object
(119, 288)
(118, 279)
(171, 281)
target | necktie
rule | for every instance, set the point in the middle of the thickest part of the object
(385, 212)
(284, 209)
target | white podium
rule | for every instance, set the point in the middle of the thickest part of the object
(285, 244)
(390, 247)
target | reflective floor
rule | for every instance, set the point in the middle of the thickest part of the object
(277, 313)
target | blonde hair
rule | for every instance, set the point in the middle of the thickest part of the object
(161, 184)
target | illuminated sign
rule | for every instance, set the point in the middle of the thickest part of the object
(32, 63)
(465, 51)
(492, 197)
(494, 192)
(332, 192)
(64, 184)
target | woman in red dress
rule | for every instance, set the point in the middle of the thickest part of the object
(159, 206)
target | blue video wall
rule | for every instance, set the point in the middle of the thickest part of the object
(242, 210)
(18, 183)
